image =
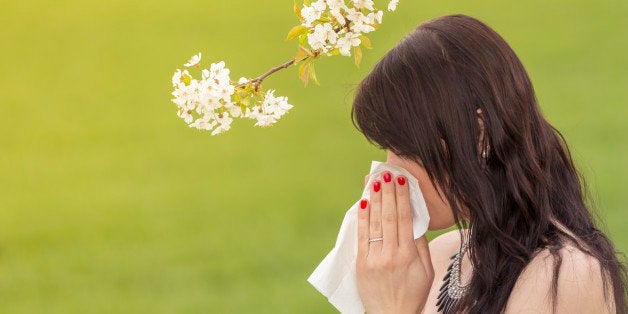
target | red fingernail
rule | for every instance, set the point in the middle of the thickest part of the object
(401, 180)
(387, 177)
(363, 204)
(376, 186)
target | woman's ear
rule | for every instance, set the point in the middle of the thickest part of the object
(480, 119)
(481, 124)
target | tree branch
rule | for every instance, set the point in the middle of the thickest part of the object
(258, 80)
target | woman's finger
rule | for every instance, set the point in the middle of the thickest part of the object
(375, 217)
(423, 249)
(366, 179)
(404, 213)
(363, 229)
(389, 213)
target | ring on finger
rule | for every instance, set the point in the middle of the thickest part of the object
(376, 239)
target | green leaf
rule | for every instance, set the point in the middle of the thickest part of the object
(297, 11)
(302, 39)
(243, 109)
(304, 70)
(358, 55)
(313, 74)
(296, 31)
(306, 2)
(366, 42)
(302, 54)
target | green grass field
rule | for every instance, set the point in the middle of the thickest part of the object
(109, 203)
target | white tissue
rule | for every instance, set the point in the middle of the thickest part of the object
(335, 276)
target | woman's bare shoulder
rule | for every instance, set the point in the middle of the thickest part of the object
(443, 246)
(580, 285)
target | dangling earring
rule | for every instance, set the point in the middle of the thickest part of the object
(485, 151)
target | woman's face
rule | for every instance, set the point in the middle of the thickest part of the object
(441, 216)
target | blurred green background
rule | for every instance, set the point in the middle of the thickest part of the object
(109, 203)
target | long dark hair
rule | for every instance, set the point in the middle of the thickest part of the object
(420, 102)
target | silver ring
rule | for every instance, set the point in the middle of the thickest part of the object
(376, 239)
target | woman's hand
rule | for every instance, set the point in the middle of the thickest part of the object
(394, 275)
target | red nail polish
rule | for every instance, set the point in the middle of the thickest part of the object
(401, 180)
(387, 177)
(376, 186)
(363, 204)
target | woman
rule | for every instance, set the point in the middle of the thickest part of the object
(453, 105)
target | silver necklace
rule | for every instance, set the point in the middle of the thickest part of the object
(451, 290)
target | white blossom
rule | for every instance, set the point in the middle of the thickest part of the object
(205, 74)
(176, 78)
(218, 71)
(374, 16)
(277, 106)
(236, 111)
(353, 15)
(329, 33)
(203, 123)
(323, 34)
(204, 97)
(309, 15)
(392, 5)
(345, 43)
(183, 94)
(336, 5)
(224, 123)
(185, 115)
(336, 8)
(319, 5)
(194, 61)
(333, 24)
(338, 16)
(360, 26)
(212, 103)
(225, 91)
(207, 104)
(368, 4)
(263, 118)
(312, 13)
(271, 109)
